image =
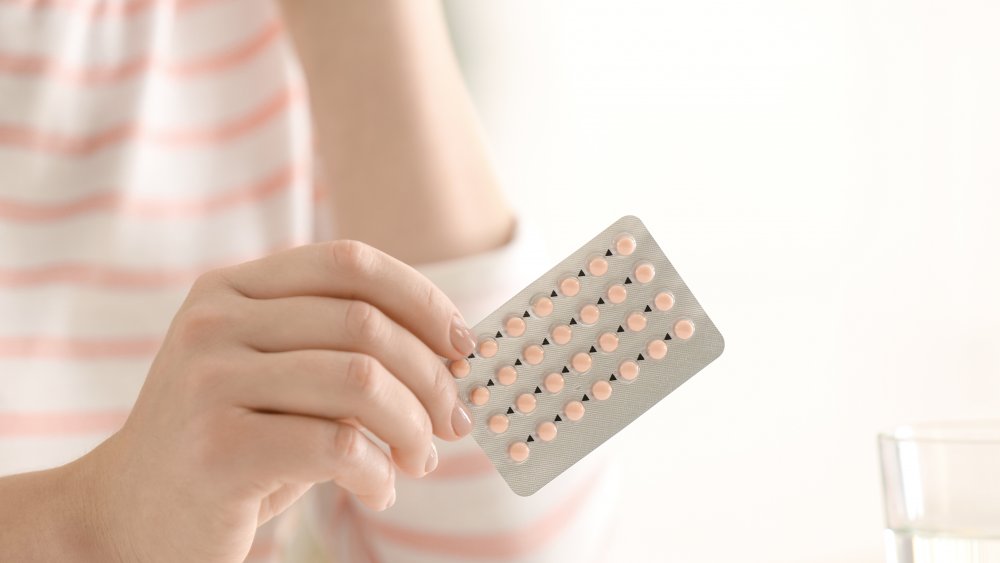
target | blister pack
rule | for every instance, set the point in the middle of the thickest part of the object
(580, 353)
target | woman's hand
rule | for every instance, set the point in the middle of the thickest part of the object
(267, 375)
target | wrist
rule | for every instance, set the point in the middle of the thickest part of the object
(39, 521)
(57, 514)
(87, 525)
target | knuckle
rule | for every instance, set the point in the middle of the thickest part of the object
(443, 387)
(432, 298)
(425, 428)
(364, 321)
(436, 303)
(202, 321)
(206, 280)
(352, 256)
(347, 444)
(362, 375)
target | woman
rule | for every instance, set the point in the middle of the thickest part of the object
(147, 145)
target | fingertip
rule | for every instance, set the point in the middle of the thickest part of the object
(380, 502)
(462, 341)
(432, 460)
(461, 420)
(408, 464)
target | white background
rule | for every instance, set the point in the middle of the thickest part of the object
(826, 177)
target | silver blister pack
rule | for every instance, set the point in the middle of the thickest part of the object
(580, 353)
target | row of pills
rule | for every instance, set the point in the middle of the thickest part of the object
(541, 306)
(607, 342)
(561, 333)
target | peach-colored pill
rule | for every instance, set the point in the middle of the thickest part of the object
(656, 349)
(636, 321)
(684, 329)
(574, 410)
(664, 301)
(518, 452)
(479, 396)
(601, 390)
(617, 293)
(625, 244)
(589, 314)
(541, 306)
(488, 347)
(498, 423)
(581, 362)
(628, 370)
(533, 354)
(514, 326)
(459, 368)
(645, 272)
(597, 266)
(561, 334)
(547, 431)
(569, 287)
(525, 402)
(607, 342)
(506, 375)
(554, 382)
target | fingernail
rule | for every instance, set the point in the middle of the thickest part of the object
(461, 422)
(461, 338)
(392, 499)
(432, 460)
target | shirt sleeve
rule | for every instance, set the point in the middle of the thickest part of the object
(464, 511)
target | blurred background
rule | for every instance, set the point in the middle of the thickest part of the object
(826, 177)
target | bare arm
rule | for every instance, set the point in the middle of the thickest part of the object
(396, 129)
(399, 138)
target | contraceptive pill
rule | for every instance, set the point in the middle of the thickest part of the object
(580, 353)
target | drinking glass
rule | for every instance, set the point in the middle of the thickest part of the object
(941, 484)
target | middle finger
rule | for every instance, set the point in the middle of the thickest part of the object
(299, 323)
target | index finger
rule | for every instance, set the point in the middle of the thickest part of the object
(350, 269)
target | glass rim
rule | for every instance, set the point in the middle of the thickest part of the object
(979, 431)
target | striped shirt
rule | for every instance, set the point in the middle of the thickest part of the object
(143, 142)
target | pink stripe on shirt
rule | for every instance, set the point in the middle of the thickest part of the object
(31, 66)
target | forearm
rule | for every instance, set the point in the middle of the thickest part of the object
(396, 129)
